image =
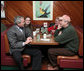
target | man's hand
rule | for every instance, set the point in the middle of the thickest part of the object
(29, 40)
(59, 26)
(60, 33)
(52, 31)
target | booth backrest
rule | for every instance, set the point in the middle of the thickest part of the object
(6, 43)
(80, 35)
(81, 48)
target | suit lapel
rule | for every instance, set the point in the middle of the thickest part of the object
(19, 32)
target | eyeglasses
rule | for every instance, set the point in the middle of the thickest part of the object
(60, 19)
(63, 20)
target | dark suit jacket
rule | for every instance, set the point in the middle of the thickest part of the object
(16, 39)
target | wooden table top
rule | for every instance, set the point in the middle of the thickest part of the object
(41, 42)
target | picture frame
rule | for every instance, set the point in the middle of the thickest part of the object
(3, 10)
(42, 10)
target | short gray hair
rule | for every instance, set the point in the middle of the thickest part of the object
(17, 19)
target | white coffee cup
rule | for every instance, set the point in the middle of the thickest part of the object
(34, 33)
(37, 30)
(44, 36)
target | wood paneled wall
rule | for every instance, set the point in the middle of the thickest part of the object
(25, 8)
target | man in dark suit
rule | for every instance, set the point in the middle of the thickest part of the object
(18, 41)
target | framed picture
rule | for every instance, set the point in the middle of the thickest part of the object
(2, 9)
(42, 10)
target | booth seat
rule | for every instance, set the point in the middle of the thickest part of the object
(73, 61)
(6, 58)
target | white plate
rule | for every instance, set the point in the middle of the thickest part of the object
(45, 39)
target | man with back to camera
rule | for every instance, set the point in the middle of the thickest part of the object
(18, 41)
(65, 35)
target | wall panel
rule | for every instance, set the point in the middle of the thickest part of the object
(25, 8)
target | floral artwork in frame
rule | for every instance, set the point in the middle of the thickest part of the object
(42, 10)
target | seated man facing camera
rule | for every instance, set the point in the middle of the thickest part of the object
(67, 36)
(18, 41)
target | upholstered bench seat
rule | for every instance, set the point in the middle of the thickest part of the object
(71, 63)
(6, 58)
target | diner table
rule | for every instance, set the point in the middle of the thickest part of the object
(43, 42)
